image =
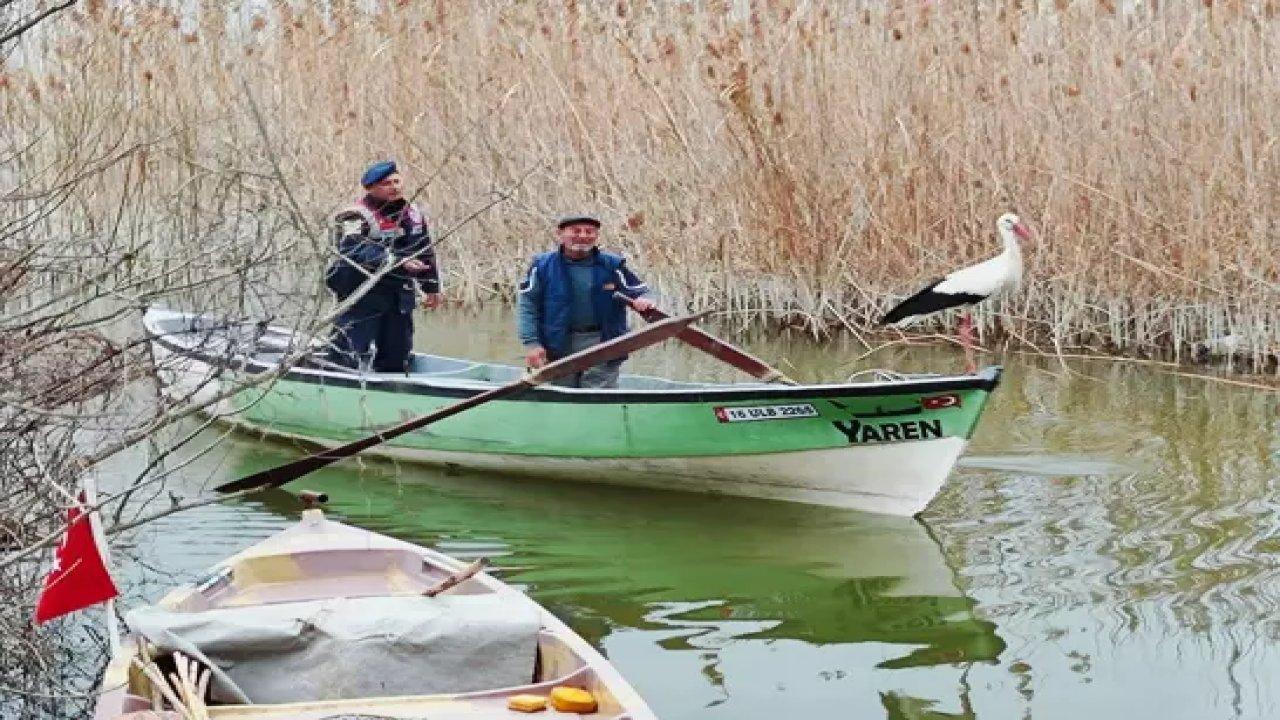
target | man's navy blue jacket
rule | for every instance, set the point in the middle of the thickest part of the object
(547, 286)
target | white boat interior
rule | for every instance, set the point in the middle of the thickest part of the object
(269, 345)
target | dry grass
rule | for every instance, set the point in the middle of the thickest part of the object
(798, 162)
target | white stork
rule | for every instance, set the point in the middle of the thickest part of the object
(970, 285)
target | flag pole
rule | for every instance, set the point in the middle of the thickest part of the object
(95, 524)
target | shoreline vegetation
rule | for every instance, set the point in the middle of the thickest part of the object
(790, 163)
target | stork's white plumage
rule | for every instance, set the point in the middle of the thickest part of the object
(970, 285)
(991, 276)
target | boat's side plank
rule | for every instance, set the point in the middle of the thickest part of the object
(671, 424)
(626, 430)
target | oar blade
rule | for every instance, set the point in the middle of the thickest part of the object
(604, 352)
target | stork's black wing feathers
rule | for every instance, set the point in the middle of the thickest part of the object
(927, 301)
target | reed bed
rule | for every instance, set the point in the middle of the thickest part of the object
(791, 162)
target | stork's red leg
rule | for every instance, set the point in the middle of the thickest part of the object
(966, 341)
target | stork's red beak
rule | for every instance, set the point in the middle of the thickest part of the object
(1022, 231)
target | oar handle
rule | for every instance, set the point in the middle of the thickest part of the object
(713, 346)
(653, 314)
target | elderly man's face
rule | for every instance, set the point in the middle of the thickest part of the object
(578, 239)
(387, 189)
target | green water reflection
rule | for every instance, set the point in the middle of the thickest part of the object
(697, 573)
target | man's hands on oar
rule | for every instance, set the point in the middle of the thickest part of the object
(577, 362)
(712, 345)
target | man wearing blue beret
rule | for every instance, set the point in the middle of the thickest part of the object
(566, 302)
(382, 228)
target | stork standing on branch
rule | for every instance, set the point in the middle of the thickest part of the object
(970, 285)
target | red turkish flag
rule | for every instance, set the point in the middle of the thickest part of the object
(79, 577)
(938, 402)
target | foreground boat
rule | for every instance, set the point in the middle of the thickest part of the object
(324, 620)
(885, 446)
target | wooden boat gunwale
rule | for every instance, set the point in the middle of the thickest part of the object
(440, 385)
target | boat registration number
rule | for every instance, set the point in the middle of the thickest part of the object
(752, 413)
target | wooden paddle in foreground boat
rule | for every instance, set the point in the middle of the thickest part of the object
(462, 575)
(715, 347)
(577, 362)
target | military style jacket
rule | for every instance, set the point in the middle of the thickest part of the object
(368, 234)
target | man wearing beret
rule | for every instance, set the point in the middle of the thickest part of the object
(566, 301)
(382, 228)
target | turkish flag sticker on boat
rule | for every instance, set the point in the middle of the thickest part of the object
(938, 402)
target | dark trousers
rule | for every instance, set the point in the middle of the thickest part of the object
(381, 319)
(604, 375)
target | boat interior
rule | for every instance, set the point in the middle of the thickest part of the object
(328, 633)
(269, 345)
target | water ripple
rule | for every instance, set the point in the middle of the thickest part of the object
(1136, 520)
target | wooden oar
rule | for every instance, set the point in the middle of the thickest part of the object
(457, 578)
(715, 347)
(577, 362)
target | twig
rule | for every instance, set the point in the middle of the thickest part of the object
(1161, 271)
(459, 577)
(300, 220)
(35, 20)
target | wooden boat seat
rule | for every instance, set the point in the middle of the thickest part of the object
(437, 364)
(315, 574)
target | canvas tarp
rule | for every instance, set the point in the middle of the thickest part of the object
(353, 647)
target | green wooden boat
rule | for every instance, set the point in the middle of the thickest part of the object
(884, 446)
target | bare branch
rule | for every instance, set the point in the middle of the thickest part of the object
(23, 27)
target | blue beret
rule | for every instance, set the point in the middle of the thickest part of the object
(377, 172)
(579, 219)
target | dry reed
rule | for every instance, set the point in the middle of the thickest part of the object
(795, 162)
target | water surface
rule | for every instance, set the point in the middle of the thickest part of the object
(1106, 550)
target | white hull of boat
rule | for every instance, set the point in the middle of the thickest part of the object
(899, 479)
